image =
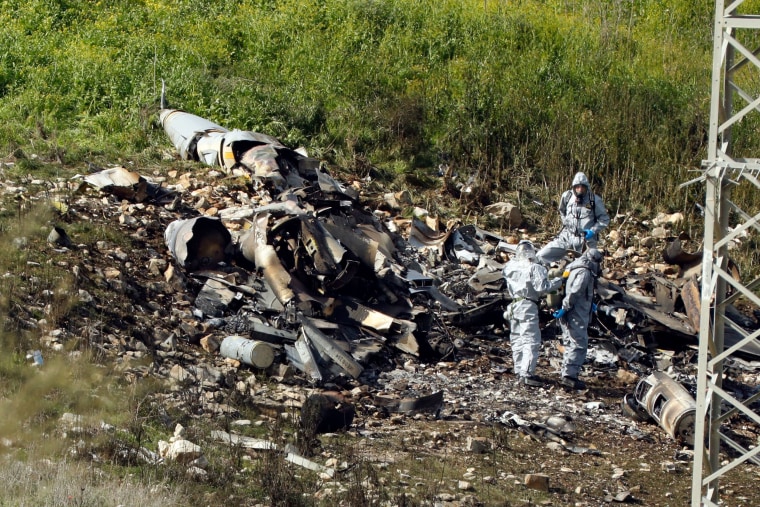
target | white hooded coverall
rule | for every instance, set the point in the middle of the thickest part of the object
(526, 282)
(578, 301)
(578, 214)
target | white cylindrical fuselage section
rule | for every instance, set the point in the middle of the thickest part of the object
(251, 352)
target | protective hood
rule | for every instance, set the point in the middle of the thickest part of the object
(581, 179)
(591, 260)
(525, 251)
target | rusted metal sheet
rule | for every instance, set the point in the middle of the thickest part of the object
(691, 301)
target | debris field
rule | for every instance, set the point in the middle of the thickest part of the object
(369, 315)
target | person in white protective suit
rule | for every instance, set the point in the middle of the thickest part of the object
(575, 314)
(583, 216)
(527, 281)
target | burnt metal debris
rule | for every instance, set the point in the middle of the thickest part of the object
(309, 272)
(669, 403)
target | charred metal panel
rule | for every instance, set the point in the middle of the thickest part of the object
(384, 240)
(665, 295)
(427, 403)
(266, 333)
(198, 242)
(308, 363)
(328, 184)
(421, 284)
(462, 249)
(486, 278)
(365, 249)
(356, 313)
(325, 260)
(336, 354)
(408, 343)
(215, 298)
(434, 294)
(644, 306)
(324, 251)
(488, 313)
(326, 413)
(422, 236)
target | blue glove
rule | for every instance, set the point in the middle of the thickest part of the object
(589, 234)
(593, 307)
(559, 313)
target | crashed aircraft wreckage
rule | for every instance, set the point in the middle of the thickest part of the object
(322, 258)
(310, 276)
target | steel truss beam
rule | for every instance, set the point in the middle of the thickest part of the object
(733, 65)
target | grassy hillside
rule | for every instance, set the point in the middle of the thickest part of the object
(519, 92)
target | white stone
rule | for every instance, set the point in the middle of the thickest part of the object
(183, 451)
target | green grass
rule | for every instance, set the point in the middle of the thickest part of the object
(619, 90)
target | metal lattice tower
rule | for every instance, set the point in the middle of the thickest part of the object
(733, 66)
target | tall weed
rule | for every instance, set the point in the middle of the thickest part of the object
(617, 89)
